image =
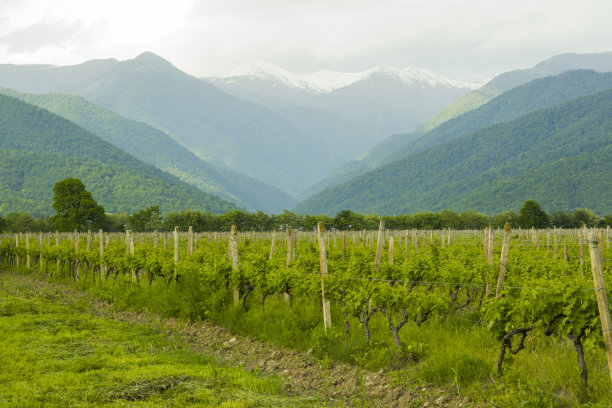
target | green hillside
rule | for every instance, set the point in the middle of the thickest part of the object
(215, 126)
(154, 147)
(538, 94)
(508, 80)
(559, 157)
(39, 148)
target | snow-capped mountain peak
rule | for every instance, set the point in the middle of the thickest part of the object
(325, 81)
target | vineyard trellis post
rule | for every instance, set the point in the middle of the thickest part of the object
(602, 298)
(27, 241)
(503, 263)
(176, 250)
(323, 266)
(233, 255)
(101, 239)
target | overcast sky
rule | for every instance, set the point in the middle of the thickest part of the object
(463, 39)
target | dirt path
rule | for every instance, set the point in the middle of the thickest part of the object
(342, 384)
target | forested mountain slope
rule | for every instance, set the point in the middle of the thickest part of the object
(535, 95)
(38, 148)
(153, 146)
(216, 127)
(559, 157)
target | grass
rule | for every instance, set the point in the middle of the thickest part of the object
(56, 354)
(451, 354)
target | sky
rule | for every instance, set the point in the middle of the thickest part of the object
(462, 39)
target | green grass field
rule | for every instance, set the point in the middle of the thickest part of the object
(55, 353)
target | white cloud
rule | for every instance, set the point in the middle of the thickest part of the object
(464, 39)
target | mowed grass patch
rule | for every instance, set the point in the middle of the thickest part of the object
(55, 354)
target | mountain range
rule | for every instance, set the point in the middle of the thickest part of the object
(558, 156)
(436, 129)
(260, 136)
(39, 148)
(350, 112)
(155, 147)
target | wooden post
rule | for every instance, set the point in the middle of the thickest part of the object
(503, 263)
(176, 249)
(155, 238)
(601, 248)
(556, 243)
(580, 245)
(273, 244)
(76, 252)
(363, 238)
(602, 298)
(289, 256)
(17, 246)
(89, 238)
(190, 241)
(391, 248)
(406, 246)
(547, 241)
(233, 255)
(565, 252)
(102, 268)
(27, 240)
(343, 244)
(323, 265)
(134, 277)
(57, 242)
(379, 245)
(40, 252)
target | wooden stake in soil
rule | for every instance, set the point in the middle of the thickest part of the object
(343, 244)
(176, 250)
(379, 245)
(602, 298)
(323, 265)
(190, 241)
(503, 263)
(233, 255)
(391, 245)
(27, 240)
(40, 251)
(101, 239)
(273, 244)
(580, 245)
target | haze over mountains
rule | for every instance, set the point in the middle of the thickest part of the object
(261, 135)
(402, 145)
(38, 148)
(351, 112)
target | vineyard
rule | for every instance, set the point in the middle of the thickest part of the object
(356, 292)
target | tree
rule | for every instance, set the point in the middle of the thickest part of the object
(533, 216)
(148, 219)
(75, 207)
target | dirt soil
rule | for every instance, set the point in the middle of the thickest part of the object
(341, 384)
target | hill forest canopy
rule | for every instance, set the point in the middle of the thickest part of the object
(77, 210)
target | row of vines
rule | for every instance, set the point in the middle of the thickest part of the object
(403, 277)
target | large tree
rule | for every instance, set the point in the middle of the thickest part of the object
(533, 216)
(75, 207)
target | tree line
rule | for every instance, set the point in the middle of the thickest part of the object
(77, 210)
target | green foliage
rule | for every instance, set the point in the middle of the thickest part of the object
(57, 349)
(38, 149)
(496, 169)
(477, 110)
(75, 207)
(148, 219)
(156, 148)
(533, 216)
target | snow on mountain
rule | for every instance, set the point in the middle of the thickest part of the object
(325, 81)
